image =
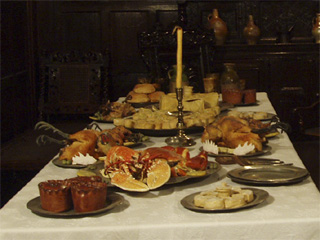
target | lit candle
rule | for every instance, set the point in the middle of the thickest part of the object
(179, 58)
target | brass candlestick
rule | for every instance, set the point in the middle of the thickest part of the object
(181, 139)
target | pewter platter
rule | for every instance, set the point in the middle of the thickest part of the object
(166, 132)
(213, 167)
(59, 163)
(268, 175)
(265, 150)
(113, 199)
(259, 197)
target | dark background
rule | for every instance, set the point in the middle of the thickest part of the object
(29, 28)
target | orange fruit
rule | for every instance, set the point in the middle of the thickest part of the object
(128, 183)
(158, 174)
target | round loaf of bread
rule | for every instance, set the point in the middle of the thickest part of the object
(155, 96)
(144, 88)
(134, 97)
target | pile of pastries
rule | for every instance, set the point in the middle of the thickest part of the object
(223, 197)
(161, 119)
(144, 93)
(202, 108)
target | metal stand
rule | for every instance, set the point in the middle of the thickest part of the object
(181, 139)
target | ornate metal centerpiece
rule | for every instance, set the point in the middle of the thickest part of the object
(181, 139)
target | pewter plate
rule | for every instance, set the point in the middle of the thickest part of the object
(213, 167)
(268, 117)
(166, 132)
(113, 199)
(268, 175)
(259, 197)
(265, 150)
(59, 163)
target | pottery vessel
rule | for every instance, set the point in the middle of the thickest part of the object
(218, 26)
(229, 79)
(316, 28)
(251, 32)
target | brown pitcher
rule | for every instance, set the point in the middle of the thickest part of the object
(219, 27)
(251, 32)
(316, 28)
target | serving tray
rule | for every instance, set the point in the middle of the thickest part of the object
(259, 197)
(266, 149)
(268, 175)
(113, 199)
(213, 167)
(166, 132)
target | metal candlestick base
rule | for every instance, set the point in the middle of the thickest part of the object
(181, 139)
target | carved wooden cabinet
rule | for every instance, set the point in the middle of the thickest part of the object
(288, 72)
(285, 56)
(72, 82)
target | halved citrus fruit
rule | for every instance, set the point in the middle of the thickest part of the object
(128, 183)
(158, 174)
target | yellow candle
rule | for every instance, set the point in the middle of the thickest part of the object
(179, 58)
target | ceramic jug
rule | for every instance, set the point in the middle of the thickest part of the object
(218, 26)
(316, 28)
(230, 85)
(229, 78)
(172, 74)
(251, 32)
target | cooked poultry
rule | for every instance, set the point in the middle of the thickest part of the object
(112, 110)
(231, 131)
(81, 142)
(95, 143)
(110, 138)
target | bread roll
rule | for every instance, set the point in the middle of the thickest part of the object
(118, 121)
(210, 193)
(128, 123)
(143, 124)
(155, 96)
(144, 88)
(213, 203)
(199, 200)
(158, 125)
(235, 201)
(133, 97)
(248, 195)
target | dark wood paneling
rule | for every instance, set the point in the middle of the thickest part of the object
(17, 109)
(81, 30)
(125, 55)
(115, 25)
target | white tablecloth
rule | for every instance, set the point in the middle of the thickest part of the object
(290, 212)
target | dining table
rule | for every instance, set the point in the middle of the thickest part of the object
(290, 211)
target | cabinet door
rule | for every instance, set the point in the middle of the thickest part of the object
(293, 82)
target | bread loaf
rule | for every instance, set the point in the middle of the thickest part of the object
(155, 96)
(134, 97)
(144, 88)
